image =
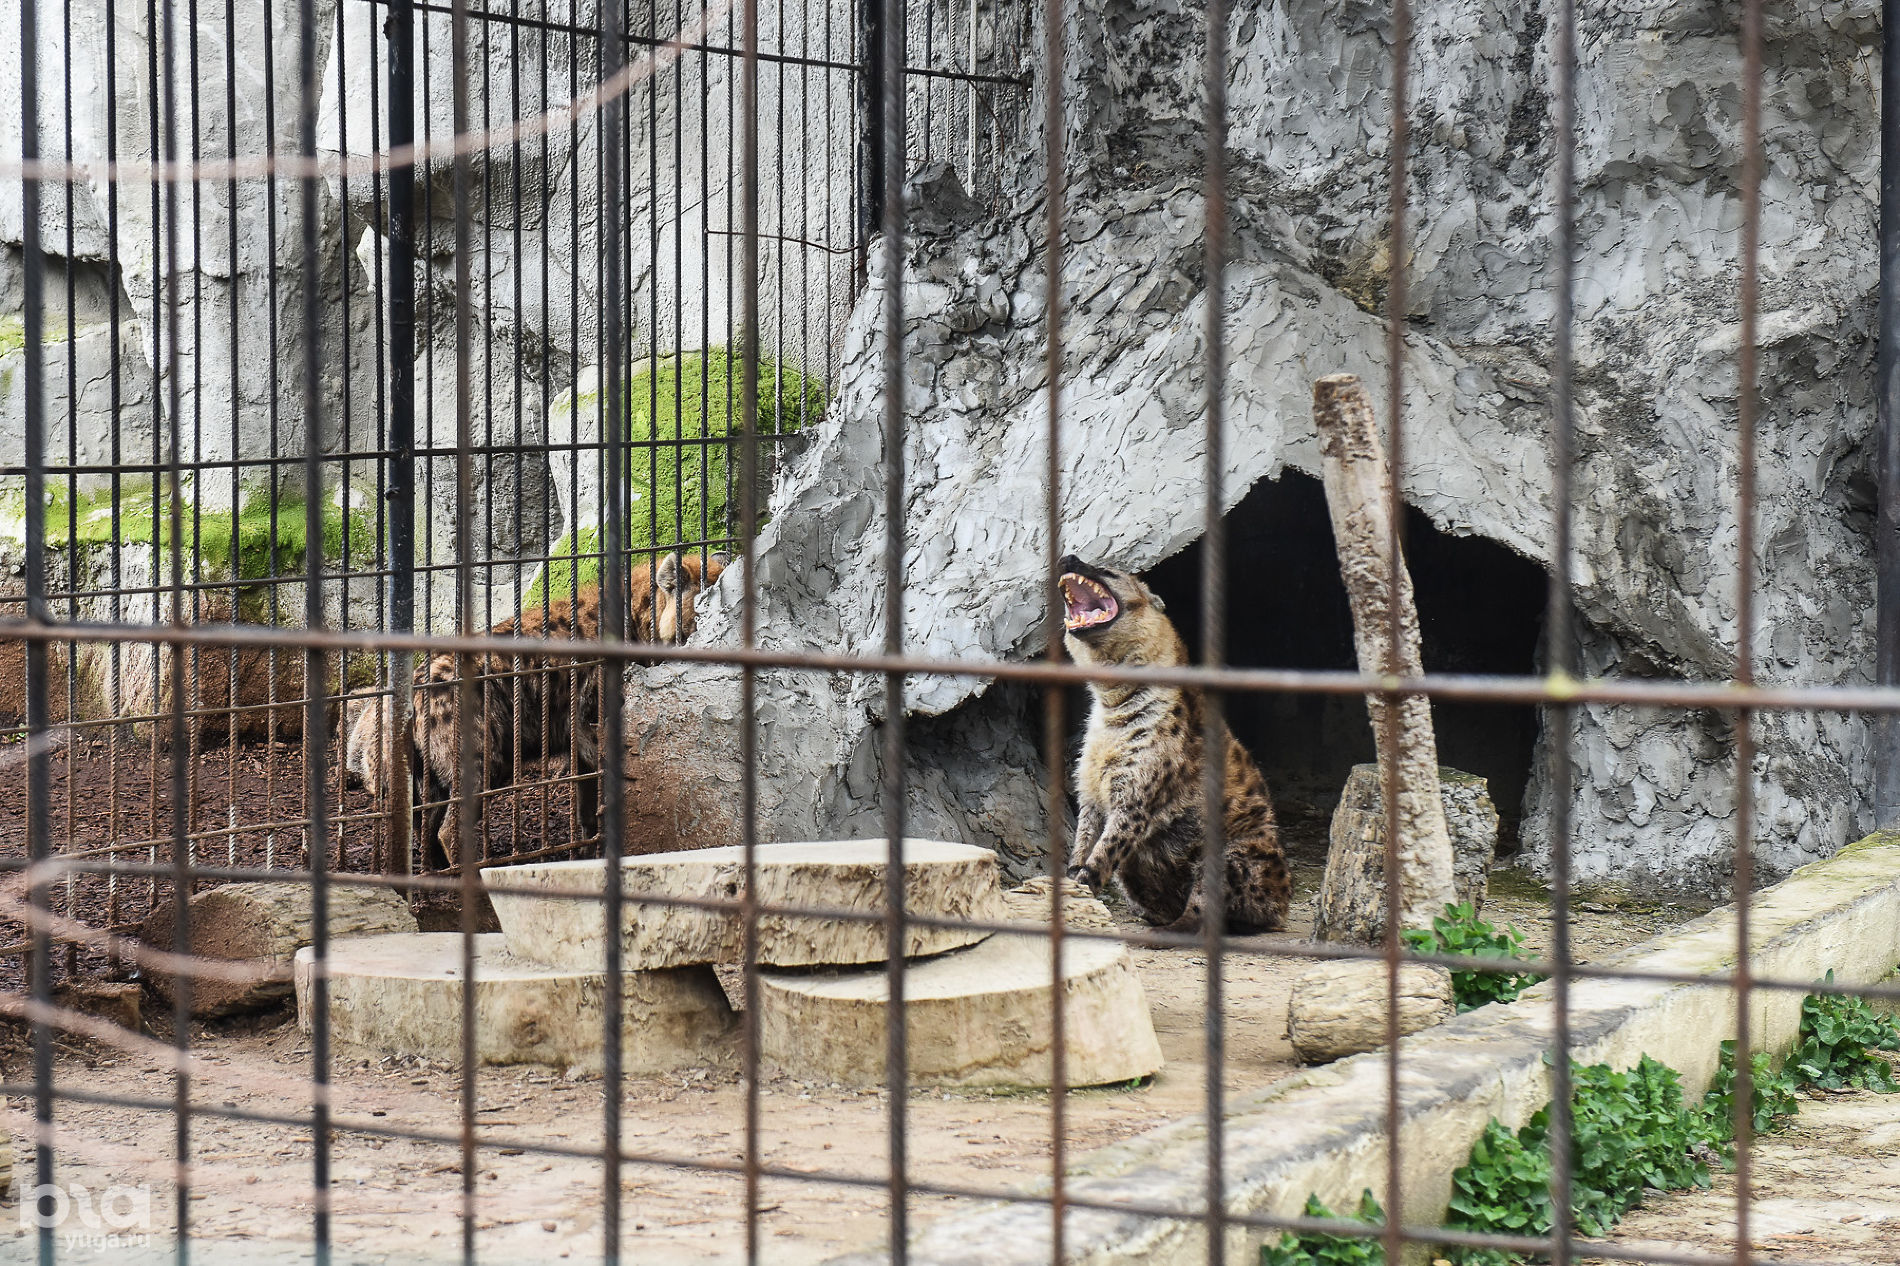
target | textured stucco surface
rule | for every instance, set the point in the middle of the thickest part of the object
(1657, 336)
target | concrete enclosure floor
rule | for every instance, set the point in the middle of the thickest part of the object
(400, 1201)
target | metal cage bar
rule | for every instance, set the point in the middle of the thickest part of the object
(628, 308)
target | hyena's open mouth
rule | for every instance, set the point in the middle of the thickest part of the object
(1089, 604)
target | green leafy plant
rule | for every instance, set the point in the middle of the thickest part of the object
(1460, 931)
(1630, 1132)
(1839, 1035)
(1319, 1249)
(1504, 1189)
(1633, 1132)
(1772, 1098)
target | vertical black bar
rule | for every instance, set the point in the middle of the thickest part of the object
(38, 771)
(1745, 425)
(1214, 633)
(613, 587)
(748, 612)
(471, 780)
(1887, 535)
(871, 116)
(316, 727)
(1055, 744)
(1560, 647)
(402, 415)
(166, 284)
(897, 1066)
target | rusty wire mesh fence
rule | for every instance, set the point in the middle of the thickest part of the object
(344, 358)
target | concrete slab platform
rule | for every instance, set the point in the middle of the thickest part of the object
(949, 881)
(401, 994)
(981, 1016)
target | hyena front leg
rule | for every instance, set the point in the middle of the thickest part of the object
(1089, 820)
(585, 765)
(1136, 799)
(431, 820)
(1123, 832)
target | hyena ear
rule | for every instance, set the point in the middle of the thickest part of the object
(667, 575)
(721, 559)
(1155, 598)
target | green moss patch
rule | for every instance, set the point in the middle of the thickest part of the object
(249, 544)
(684, 426)
(13, 333)
(557, 579)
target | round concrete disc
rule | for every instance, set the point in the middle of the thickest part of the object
(402, 994)
(941, 881)
(979, 1016)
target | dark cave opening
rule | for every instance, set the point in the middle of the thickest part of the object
(1481, 610)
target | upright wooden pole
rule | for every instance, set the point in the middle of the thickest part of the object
(1352, 898)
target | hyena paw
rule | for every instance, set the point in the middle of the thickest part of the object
(1086, 875)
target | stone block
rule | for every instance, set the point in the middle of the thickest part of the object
(977, 1017)
(401, 994)
(261, 926)
(1339, 1008)
(1352, 901)
(1030, 902)
(943, 881)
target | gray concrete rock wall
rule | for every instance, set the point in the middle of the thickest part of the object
(1657, 336)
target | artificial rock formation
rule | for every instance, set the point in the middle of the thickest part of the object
(402, 995)
(941, 881)
(260, 927)
(1309, 96)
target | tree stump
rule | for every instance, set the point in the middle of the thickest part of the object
(262, 926)
(1351, 905)
(1360, 500)
(1339, 1009)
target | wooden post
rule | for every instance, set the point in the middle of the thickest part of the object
(1358, 494)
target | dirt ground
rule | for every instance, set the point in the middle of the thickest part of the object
(1826, 1189)
(246, 799)
(397, 1200)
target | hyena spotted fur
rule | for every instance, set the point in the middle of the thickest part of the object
(1139, 782)
(549, 706)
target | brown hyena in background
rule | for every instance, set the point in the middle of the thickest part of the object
(1139, 780)
(550, 704)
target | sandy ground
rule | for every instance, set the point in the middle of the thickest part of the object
(398, 1200)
